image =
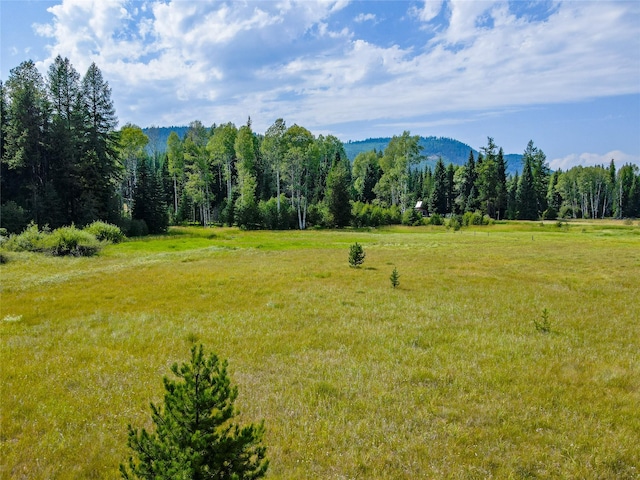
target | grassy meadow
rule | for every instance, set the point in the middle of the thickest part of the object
(445, 376)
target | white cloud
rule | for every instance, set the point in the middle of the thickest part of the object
(219, 61)
(429, 11)
(592, 159)
(365, 17)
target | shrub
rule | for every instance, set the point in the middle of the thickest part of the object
(138, 228)
(455, 222)
(356, 255)
(3, 258)
(71, 241)
(271, 219)
(411, 217)
(30, 240)
(475, 218)
(105, 232)
(436, 219)
(194, 434)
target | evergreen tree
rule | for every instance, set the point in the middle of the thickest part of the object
(525, 196)
(438, 198)
(356, 255)
(541, 174)
(99, 163)
(466, 199)
(395, 278)
(337, 196)
(149, 198)
(501, 184)
(487, 179)
(26, 132)
(67, 132)
(195, 437)
(450, 191)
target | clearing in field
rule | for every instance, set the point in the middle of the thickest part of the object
(507, 351)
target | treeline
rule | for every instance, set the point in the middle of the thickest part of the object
(64, 162)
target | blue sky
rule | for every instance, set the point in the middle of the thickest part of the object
(564, 74)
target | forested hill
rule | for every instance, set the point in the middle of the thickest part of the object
(158, 136)
(451, 150)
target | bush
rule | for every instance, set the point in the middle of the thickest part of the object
(105, 232)
(475, 218)
(60, 242)
(30, 240)
(271, 219)
(411, 217)
(138, 228)
(71, 241)
(195, 436)
(436, 219)
(455, 222)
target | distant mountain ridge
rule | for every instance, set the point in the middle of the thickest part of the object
(451, 150)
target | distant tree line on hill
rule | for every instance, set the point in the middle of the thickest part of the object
(64, 162)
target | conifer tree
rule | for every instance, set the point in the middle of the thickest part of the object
(438, 198)
(337, 196)
(395, 278)
(356, 255)
(195, 437)
(525, 196)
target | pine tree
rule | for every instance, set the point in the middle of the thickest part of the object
(438, 198)
(356, 255)
(525, 195)
(195, 437)
(395, 278)
(99, 164)
(337, 195)
(501, 185)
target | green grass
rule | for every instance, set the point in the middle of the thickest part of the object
(445, 376)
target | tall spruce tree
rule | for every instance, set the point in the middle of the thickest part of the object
(99, 164)
(438, 198)
(525, 196)
(501, 184)
(67, 132)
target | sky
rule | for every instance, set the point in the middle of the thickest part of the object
(565, 74)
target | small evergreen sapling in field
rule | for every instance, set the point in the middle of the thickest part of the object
(544, 325)
(194, 436)
(395, 278)
(356, 255)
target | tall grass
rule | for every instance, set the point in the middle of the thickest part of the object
(445, 376)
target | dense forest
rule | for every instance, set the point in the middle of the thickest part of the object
(65, 162)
